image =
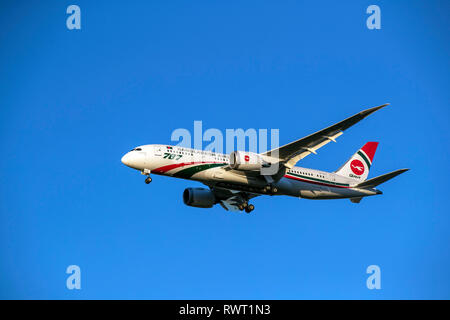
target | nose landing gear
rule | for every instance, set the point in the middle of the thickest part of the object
(146, 172)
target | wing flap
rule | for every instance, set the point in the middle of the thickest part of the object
(307, 151)
(229, 205)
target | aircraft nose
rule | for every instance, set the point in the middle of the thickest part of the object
(134, 159)
(126, 159)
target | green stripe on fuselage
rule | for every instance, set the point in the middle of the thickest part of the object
(318, 180)
(189, 172)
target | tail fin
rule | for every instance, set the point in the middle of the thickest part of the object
(358, 166)
(371, 183)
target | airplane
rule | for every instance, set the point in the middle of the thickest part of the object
(233, 180)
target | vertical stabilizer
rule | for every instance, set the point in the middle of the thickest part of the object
(358, 166)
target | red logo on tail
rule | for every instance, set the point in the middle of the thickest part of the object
(357, 167)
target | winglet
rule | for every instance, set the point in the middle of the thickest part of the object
(369, 111)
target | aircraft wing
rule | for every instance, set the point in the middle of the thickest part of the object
(291, 153)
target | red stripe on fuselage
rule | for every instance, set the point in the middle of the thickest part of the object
(169, 167)
(315, 182)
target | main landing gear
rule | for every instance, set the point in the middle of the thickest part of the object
(249, 208)
(271, 189)
(246, 207)
(146, 172)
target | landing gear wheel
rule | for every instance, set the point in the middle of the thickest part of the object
(250, 208)
(271, 189)
(240, 207)
(148, 180)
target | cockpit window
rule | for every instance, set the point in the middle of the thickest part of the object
(136, 149)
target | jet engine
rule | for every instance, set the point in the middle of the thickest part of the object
(247, 161)
(199, 197)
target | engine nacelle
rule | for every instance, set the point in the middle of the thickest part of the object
(246, 161)
(199, 197)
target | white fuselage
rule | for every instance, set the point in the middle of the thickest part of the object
(213, 170)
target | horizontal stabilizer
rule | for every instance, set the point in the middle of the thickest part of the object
(371, 183)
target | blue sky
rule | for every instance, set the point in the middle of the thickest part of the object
(73, 102)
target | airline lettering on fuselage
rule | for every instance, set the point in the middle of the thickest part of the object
(172, 156)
